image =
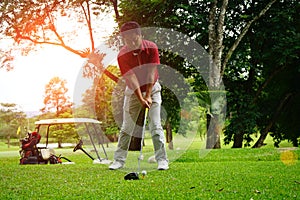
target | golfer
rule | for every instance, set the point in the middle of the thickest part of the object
(138, 61)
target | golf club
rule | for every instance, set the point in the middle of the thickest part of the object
(135, 175)
(79, 146)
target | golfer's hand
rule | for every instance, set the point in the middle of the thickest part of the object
(145, 104)
(149, 101)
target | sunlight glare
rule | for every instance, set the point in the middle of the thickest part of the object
(25, 84)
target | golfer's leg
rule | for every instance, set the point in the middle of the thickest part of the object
(130, 113)
(122, 149)
(155, 126)
(157, 133)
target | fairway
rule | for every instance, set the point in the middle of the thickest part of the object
(265, 173)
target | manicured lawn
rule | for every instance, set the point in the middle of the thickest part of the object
(265, 173)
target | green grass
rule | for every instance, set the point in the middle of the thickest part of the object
(217, 174)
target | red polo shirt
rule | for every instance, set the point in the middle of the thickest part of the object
(137, 62)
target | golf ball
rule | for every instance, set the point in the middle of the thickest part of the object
(144, 172)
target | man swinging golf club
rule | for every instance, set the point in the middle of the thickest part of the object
(138, 61)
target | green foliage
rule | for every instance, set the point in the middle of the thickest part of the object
(64, 133)
(105, 101)
(280, 51)
(262, 72)
(11, 119)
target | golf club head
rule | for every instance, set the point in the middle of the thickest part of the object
(131, 176)
(78, 146)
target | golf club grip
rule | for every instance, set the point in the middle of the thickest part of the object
(145, 115)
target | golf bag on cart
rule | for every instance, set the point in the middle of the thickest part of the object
(31, 154)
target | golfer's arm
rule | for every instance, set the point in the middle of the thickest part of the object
(150, 80)
(135, 84)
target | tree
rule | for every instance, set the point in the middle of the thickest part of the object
(259, 84)
(65, 132)
(56, 99)
(12, 121)
(170, 100)
(282, 50)
(104, 100)
(216, 36)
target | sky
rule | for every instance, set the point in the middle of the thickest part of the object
(25, 84)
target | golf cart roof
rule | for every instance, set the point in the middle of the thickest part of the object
(66, 121)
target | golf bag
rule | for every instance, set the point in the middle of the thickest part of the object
(31, 154)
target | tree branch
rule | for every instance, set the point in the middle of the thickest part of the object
(264, 85)
(219, 42)
(77, 52)
(87, 16)
(115, 5)
(241, 36)
(212, 27)
(220, 31)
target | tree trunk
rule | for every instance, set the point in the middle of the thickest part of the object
(59, 143)
(8, 141)
(213, 133)
(169, 135)
(263, 135)
(295, 143)
(260, 142)
(238, 140)
(215, 40)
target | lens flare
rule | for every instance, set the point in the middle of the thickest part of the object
(288, 157)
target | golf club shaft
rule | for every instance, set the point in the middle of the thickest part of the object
(86, 153)
(142, 140)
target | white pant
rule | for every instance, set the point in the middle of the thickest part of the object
(131, 110)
